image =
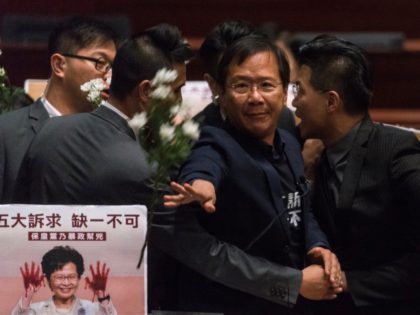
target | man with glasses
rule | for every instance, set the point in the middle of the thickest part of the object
(248, 256)
(80, 50)
(211, 51)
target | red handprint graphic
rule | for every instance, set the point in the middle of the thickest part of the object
(99, 278)
(32, 277)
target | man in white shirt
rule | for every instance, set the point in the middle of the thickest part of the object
(80, 50)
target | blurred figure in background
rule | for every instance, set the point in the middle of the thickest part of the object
(210, 53)
(282, 38)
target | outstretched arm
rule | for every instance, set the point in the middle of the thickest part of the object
(188, 242)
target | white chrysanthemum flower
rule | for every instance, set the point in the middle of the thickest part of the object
(164, 76)
(138, 121)
(185, 110)
(0, 52)
(98, 84)
(175, 110)
(191, 129)
(2, 72)
(93, 96)
(167, 132)
(162, 92)
(85, 87)
(94, 88)
(95, 84)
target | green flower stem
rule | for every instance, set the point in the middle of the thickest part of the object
(158, 180)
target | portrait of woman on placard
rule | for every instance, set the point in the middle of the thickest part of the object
(62, 270)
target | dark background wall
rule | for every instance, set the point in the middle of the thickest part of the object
(396, 71)
(197, 17)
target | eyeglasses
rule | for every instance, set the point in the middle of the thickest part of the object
(61, 278)
(101, 64)
(265, 87)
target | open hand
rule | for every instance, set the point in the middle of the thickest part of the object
(32, 279)
(98, 280)
(201, 190)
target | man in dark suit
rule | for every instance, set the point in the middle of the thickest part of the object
(248, 256)
(366, 194)
(79, 50)
(94, 158)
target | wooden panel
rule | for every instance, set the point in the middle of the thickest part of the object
(409, 118)
(396, 78)
(196, 18)
(396, 82)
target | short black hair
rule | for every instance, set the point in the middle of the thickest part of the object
(339, 65)
(141, 57)
(222, 36)
(78, 33)
(249, 46)
(56, 258)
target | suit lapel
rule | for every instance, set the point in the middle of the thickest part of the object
(114, 119)
(354, 165)
(37, 116)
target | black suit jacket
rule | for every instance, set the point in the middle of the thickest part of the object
(17, 130)
(375, 227)
(245, 245)
(88, 158)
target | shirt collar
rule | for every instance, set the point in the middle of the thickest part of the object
(269, 151)
(51, 110)
(114, 109)
(272, 151)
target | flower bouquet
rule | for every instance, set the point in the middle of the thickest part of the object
(164, 136)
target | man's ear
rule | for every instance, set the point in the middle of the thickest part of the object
(58, 65)
(213, 85)
(285, 95)
(144, 90)
(333, 101)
